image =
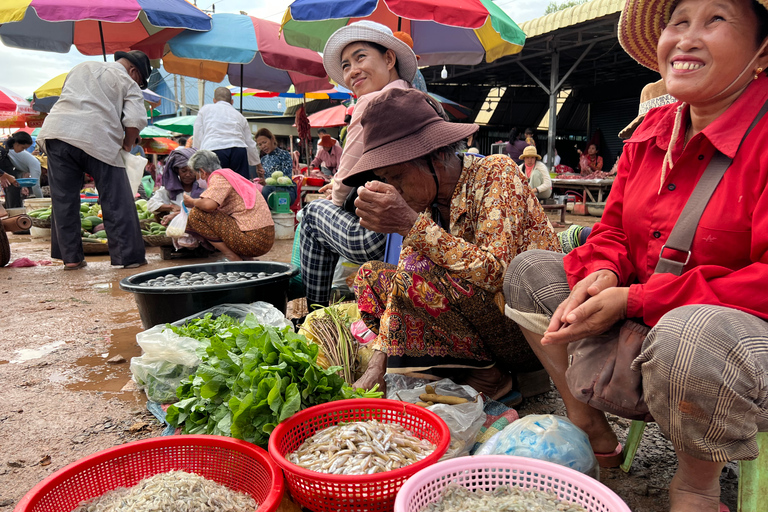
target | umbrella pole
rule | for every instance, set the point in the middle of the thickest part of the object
(308, 142)
(241, 88)
(103, 49)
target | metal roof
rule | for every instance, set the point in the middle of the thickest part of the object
(571, 16)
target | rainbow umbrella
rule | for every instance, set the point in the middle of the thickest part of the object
(337, 93)
(95, 27)
(454, 110)
(443, 31)
(250, 51)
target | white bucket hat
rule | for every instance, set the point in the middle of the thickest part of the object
(371, 32)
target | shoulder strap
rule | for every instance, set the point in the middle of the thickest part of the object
(681, 237)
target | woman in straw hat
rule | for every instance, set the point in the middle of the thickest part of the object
(463, 219)
(536, 172)
(367, 58)
(704, 360)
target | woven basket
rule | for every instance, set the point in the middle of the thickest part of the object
(157, 240)
(91, 246)
(144, 223)
(40, 223)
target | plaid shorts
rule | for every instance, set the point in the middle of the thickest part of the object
(328, 231)
(704, 367)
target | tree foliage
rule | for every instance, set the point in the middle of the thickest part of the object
(554, 6)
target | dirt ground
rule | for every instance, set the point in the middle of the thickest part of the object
(65, 347)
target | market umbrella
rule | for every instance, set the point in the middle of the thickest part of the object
(250, 51)
(443, 31)
(95, 27)
(158, 146)
(455, 111)
(15, 111)
(328, 118)
(181, 124)
(154, 131)
(337, 93)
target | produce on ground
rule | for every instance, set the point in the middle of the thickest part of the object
(251, 378)
(360, 448)
(41, 213)
(205, 278)
(141, 210)
(457, 498)
(175, 491)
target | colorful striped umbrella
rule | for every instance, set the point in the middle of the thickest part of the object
(95, 27)
(443, 31)
(250, 51)
(337, 93)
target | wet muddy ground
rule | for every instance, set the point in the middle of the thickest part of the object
(65, 346)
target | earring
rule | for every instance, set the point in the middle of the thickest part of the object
(757, 72)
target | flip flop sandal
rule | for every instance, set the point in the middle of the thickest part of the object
(80, 265)
(611, 460)
(723, 508)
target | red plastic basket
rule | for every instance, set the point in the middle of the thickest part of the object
(321, 492)
(239, 465)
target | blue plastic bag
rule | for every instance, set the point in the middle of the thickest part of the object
(545, 437)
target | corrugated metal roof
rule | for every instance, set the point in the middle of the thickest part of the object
(571, 16)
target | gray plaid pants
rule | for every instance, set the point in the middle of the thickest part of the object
(704, 367)
(328, 231)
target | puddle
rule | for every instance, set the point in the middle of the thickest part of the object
(28, 354)
(112, 288)
(109, 379)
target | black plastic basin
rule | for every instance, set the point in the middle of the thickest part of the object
(160, 305)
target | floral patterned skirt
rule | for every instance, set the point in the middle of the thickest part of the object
(425, 319)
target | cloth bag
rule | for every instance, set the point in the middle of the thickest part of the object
(134, 168)
(599, 371)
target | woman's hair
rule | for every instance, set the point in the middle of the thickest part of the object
(22, 138)
(513, 134)
(762, 21)
(264, 132)
(206, 160)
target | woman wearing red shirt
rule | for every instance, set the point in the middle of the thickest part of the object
(704, 361)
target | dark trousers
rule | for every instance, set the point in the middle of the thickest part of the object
(12, 193)
(235, 159)
(66, 165)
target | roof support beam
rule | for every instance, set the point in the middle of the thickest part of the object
(554, 89)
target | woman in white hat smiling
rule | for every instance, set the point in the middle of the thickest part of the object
(366, 58)
(704, 360)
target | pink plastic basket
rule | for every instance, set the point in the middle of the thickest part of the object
(488, 472)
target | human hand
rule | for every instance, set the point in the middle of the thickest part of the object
(595, 316)
(6, 180)
(168, 218)
(383, 210)
(377, 368)
(325, 188)
(590, 286)
(189, 201)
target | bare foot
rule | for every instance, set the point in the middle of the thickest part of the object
(684, 498)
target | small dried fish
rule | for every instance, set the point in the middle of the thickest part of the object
(360, 448)
(457, 498)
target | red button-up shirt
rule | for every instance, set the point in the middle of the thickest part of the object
(729, 255)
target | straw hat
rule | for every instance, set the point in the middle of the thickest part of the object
(530, 151)
(653, 95)
(640, 27)
(371, 32)
(390, 141)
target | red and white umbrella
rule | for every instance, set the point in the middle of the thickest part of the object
(329, 117)
(14, 109)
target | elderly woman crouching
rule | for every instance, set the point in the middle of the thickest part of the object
(704, 360)
(231, 213)
(463, 219)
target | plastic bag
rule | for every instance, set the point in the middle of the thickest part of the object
(265, 313)
(154, 203)
(463, 420)
(344, 274)
(134, 168)
(178, 225)
(545, 437)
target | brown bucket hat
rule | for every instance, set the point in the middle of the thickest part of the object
(401, 125)
(653, 95)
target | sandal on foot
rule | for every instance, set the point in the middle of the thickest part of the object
(136, 265)
(723, 508)
(80, 265)
(611, 460)
(492, 382)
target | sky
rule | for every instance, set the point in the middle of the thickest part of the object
(23, 71)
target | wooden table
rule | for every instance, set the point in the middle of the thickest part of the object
(306, 189)
(587, 187)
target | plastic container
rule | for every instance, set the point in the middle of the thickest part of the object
(165, 305)
(314, 182)
(488, 472)
(27, 182)
(239, 465)
(284, 225)
(37, 203)
(36, 232)
(321, 492)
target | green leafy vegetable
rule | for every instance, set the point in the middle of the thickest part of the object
(251, 378)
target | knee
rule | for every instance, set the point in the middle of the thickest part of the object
(312, 212)
(524, 277)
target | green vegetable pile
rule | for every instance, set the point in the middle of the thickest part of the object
(251, 378)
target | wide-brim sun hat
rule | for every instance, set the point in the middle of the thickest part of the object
(530, 151)
(371, 32)
(141, 61)
(640, 26)
(390, 141)
(653, 95)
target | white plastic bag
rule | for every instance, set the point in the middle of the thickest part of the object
(134, 167)
(265, 313)
(545, 437)
(178, 225)
(154, 203)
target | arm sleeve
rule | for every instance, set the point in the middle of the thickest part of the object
(134, 115)
(198, 131)
(599, 164)
(315, 161)
(253, 151)
(353, 150)
(547, 180)
(218, 189)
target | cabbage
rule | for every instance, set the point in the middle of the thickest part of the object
(284, 181)
(271, 181)
(277, 174)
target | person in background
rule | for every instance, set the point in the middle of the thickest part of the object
(367, 58)
(274, 158)
(328, 156)
(100, 111)
(180, 179)
(537, 173)
(23, 163)
(418, 80)
(515, 146)
(703, 362)
(545, 159)
(231, 214)
(138, 150)
(591, 162)
(347, 120)
(530, 138)
(222, 129)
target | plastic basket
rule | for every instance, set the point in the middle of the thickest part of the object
(488, 472)
(239, 465)
(321, 492)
